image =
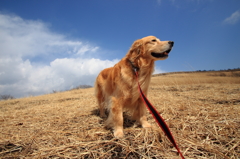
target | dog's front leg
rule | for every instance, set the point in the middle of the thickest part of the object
(115, 118)
(140, 115)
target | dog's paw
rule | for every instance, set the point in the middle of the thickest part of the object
(146, 125)
(118, 133)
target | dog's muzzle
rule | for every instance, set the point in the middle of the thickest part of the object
(165, 53)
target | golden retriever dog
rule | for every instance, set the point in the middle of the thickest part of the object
(116, 87)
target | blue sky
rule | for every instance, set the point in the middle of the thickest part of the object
(60, 44)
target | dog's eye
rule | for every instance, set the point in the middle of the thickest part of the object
(154, 40)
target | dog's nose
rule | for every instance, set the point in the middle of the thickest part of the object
(171, 43)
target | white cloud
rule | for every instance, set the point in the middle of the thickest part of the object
(157, 70)
(233, 19)
(26, 46)
(85, 49)
(21, 78)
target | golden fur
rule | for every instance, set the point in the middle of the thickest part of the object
(116, 87)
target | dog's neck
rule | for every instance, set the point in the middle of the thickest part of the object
(140, 65)
(134, 68)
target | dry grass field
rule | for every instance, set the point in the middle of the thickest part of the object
(201, 109)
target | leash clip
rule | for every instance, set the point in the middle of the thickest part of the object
(135, 69)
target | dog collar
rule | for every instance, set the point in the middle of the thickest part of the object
(135, 68)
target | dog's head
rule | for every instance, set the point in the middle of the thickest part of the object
(151, 47)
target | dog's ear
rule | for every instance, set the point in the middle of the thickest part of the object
(136, 49)
(137, 46)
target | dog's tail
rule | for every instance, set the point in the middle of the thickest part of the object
(100, 97)
(96, 87)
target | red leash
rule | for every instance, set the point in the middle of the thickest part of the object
(158, 118)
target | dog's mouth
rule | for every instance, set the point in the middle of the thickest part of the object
(161, 55)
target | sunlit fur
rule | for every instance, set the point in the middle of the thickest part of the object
(116, 87)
